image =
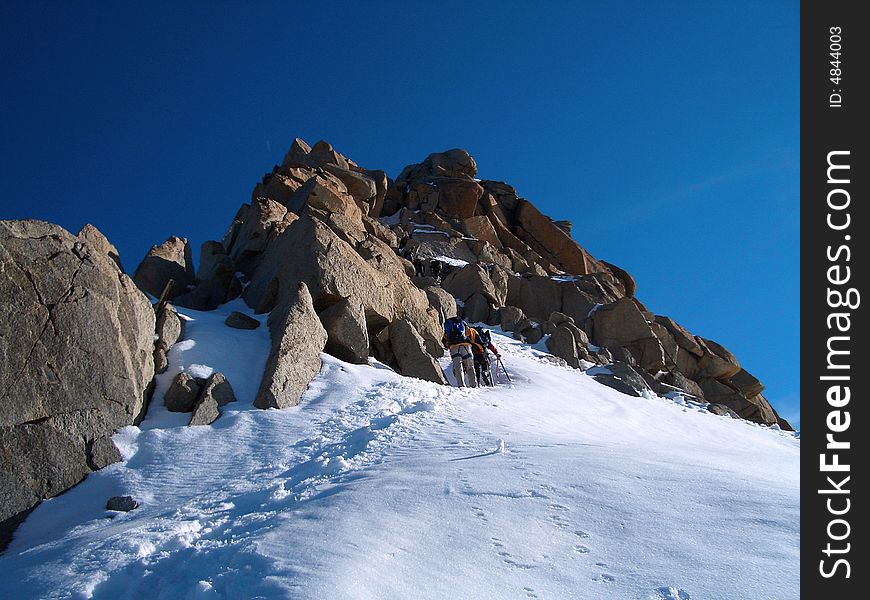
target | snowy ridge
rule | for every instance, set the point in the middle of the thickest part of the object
(380, 486)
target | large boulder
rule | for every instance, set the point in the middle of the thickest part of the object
(347, 336)
(411, 354)
(469, 280)
(538, 296)
(476, 309)
(621, 324)
(76, 343)
(442, 301)
(170, 260)
(298, 338)
(562, 343)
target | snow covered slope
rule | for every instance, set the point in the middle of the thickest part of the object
(379, 486)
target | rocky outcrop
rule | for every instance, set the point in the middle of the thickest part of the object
(171, 260)
(76, 344)
(411, 355)
(298, 338)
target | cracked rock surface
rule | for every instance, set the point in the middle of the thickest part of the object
(76, 342)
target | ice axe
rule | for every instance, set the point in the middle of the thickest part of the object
(501, 364)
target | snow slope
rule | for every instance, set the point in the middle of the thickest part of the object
(380, 486)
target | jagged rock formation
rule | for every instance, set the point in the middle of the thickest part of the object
(344, 260)
(385, 262)
(76, 343)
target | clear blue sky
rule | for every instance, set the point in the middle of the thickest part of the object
(668, 132)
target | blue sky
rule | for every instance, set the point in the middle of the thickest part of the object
(668, 132)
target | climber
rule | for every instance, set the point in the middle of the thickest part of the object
(435, 269)
(457, 339)
(481, 345)
(419, 267)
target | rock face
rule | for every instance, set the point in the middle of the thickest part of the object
(298, 338)
(170, 260)
(76, 344)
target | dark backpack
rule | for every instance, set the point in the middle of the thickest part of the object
(483, 336)
(454, 329)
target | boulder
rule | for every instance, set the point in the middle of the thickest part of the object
(452, 163)
(325, 193)
(170, 329)
(183, 393)
(621, 377)
(562, 343)
(347, 336)
(577, 303)
(680, 381)
(359, 185)
(411, 354)
(476, 309)
(510, 316)
(746, 383)
(205, 412)
(170, 260)
(620, 323)
(683, 338)
(717, 361)
(294, 360)
(216, 392)
(469, 280)
(538, 296)
(442, 301)
(500, 277)
(76, 343)
(239, 320)
(218, 388)
(457, 198)
(528, 331)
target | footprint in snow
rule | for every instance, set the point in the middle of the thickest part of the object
(581, 549)
(605, 577)
(671, 593)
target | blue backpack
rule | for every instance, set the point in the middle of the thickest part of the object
(454, 329)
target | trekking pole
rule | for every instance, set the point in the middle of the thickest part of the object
(502, 368)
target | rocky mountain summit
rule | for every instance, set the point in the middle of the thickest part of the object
(344, 260)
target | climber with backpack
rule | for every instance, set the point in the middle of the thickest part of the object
(458, 339)
(480, 348)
